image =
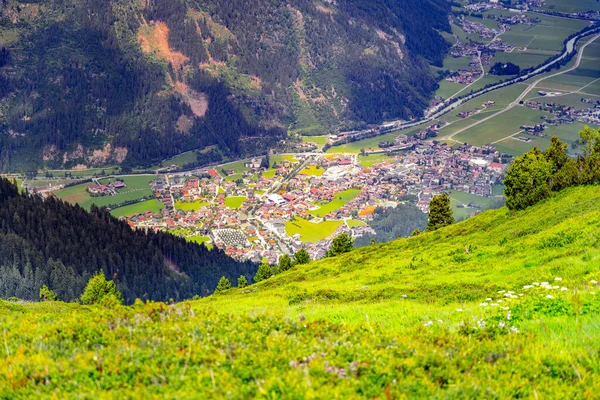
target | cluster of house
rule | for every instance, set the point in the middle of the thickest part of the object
(535, 130)
(468, 113)
(470, 26)
(109, 189)
(563, 114)
(464, 76)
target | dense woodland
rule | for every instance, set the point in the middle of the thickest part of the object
(76, 77)
(49, 242)
(393, 223)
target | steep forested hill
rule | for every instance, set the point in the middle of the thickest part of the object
(48, 242)
(124, 81)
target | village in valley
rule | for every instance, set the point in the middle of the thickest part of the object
(305, 194)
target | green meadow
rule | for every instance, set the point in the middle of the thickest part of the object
(502, 305)
(311, 232)
(341, 199)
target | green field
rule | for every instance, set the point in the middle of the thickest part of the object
(137, 188)
(318, 140)
(312, 171)
(311, 232)
(501, 126)
(354, 223)
(368, 160)
(415, 318)
(457, 197)
(190, 206)
(138, 208)
(198, 239)
(234, 201)
(448, 89)
(181, 159)
(269, 173)
(570, 6)
(341, 199)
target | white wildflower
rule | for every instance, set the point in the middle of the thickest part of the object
(459, 309)
(488, 299)
(558, 279)
(536, 284)
(499, 301)
(549, 296)
(593, 282)
(493, 304)
(545, 283)
(527, 286)
(501, 324)
(481, 323)
(484, 304)
(502, 291)
(440, 321)
(563, 289)
(521, 295)
(513, 329)
(556, 287)
(508, 316)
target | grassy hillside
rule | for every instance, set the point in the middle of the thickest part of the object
(414, 318)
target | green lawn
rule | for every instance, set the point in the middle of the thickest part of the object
(354, 223)
(311, 232)
(448, 89)
(181, 159)
(341, 199)
(234, 201)
(190, 206)
(318, 140)
(127, 211)
(198, 239)
(312, 171)
(369, 160)
(270, 173)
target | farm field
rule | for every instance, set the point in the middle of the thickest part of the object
(312, 171)
(368, 160)
(318, 140)
(501, 126)
(448, 89)
(234, 201)
(341, 199)
(522, 59)
(457, 197)
(138, 208)
(137, 188)
(353, 223)
(181, 159)
(570, 6)
(190, 206)
(311, 232)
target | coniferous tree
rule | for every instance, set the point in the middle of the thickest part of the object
(440, 212)
(302, 257)
(47, 294)
(99, 289)
(242, 282)
(264, 272)
(341, 244)
(285, 263)
(224, 284)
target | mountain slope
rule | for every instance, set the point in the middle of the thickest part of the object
(471, 325)
(49, 242)
(128, 82)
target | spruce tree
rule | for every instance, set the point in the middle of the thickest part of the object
(99, 289)
(223, 285)
(302, 257)
(285, 263)
(340, 245)
(242, 282)
(440, 213)
(264, 272)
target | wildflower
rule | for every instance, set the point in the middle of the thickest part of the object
(527, 286)
(493, 304)
(536, 284)
(508, 316)
(488, 299)
(513, 329)
(558, 279)
(549, 296)
(484, 304)
(459, 309)
(502, 291)
(440, 321)
(521, 295)
(545, 283)
(592, 293)
(593, 282)
(563, 289)
(499, 301)
(501, 324)
(481, 323)
(428, 323)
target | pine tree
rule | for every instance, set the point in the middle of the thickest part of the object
(440, 213)
(341, 244)
(285, 263)
(302, 257)
(264, 272)
(223, 285)
(47, 294)
(242, 282)
(99, 289)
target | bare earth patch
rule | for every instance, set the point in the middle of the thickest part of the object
(154, 39)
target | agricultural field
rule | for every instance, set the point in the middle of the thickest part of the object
(181, 159)
(501, 126)
(570, 6)
(368, 160)
(461, 213)
(190, 205)
(311, 232)
(234, 201)
(354, 223)
(341, 199)
(312, 171)
(448, 89)
(137, 188)
(138, 208)
(318, 140)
